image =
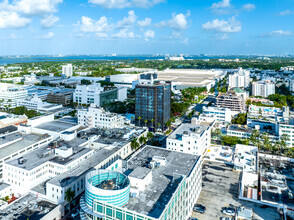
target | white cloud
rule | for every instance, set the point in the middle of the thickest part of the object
(48, 36)
(49, 21)
(278, 33)
(124, 33)
(127, 21)
(224, 36)
(148, 35)
(145, 22)
(110, 4)
(178, 22)
(224, 26)
(286, 12)
(89, 25)
(31, 7)
(221, 4)
(248, 7)
(12, 20)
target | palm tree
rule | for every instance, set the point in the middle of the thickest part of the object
(266, 143)
(134, 144)
(132, 119)
(168, 124)
(139, 118)
(69, 195)
(152, 120)
(254, 138)
(142, 140)
(283, 141)
(145, 121)
(158, 125)
(149, 135)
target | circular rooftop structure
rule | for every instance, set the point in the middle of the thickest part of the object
(107, 186)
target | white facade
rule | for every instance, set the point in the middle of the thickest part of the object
(87, 94)
(219, 114)
(239, 79)
(122, 93)
(67, 70)
(23, 177)
(36, 103)
(10, 94)
(188, 138)
(263, 89)
(97, 117)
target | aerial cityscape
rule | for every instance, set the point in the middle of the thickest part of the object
(146, 110)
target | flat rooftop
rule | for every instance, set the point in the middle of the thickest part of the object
(165, 179)
(27, 207)
(23, 142)
(115, 136)
(190, 77)
(44, 154)
(58, 125)
(188, 129)
(277, 173)
(84, 167)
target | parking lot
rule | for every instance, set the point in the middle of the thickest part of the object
(220, 189)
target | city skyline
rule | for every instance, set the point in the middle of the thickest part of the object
(30, 27)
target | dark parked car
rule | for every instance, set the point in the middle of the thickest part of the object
(200, 210)
(200, 206)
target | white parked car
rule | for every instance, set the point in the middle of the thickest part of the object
(228, 211)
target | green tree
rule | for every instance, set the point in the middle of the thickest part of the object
(168, 124)
(69, 195)
(152, 121)
(149, 135)
(134, 144)
(145, 121)
(254, 138)
(139, 118)
(142, 140)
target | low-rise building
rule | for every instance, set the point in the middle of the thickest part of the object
(98, 117)
(15, 144)
(219, 114)
(157, 184)
(36, 103)
(10, 94)
(189, 138)
(10, 119)
(64, 97)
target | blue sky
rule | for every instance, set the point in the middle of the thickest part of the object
(29, 27)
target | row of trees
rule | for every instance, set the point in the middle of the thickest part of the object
(262, 141)
(136, 143)
(146, 122)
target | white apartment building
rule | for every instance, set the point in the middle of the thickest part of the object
(15, 144)
(36, 103)
(31, 169)
(263, 88)
(189, 138)
(239, 79)
(10, 94)
(97, 117)
(219, 114)
(67, 70)
(94, 93)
